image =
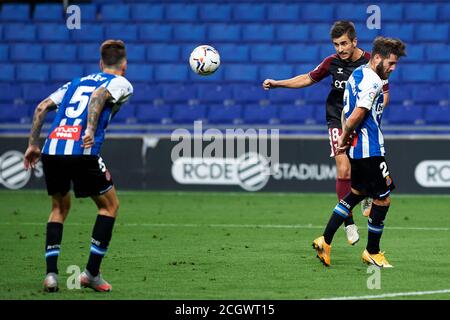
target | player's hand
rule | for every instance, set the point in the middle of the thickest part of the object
(342, 145)
(268, 84)
(31, 157)
(88, 139)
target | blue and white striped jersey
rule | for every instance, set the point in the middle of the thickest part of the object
(364, 89)
(72, 99)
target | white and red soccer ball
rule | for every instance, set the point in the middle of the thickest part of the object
(204, 60)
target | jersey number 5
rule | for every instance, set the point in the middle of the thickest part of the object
(79, 101)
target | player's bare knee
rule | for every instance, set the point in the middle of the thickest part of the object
(117, 206)
(60, 210)
(110, 209)
(58, 214)
(109, 212)
(60, 207)
(114, 208)
(344, 174)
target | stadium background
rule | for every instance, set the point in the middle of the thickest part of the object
(256, 40)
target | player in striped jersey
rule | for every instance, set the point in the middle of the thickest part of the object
(340, 66)
(70, 154)
(363, 108)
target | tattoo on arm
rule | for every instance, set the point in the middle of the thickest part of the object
(96, 104)
(38, 119)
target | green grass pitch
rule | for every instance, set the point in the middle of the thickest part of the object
(194, 245)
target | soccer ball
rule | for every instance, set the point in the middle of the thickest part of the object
(204, 60)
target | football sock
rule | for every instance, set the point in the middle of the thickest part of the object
(53, 245)
(375, 226)
(344, 187)
(101, 236)
(340, 213)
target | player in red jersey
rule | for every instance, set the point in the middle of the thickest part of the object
(340, 66)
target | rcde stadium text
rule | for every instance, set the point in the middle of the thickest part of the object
(284, 171)
(227, 309)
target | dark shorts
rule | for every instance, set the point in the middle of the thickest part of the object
(87, 173)
(372, 177)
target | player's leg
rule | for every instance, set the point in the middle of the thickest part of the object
(380, 188)
(60, 210)
(108, 205)
(373, 254)
(343, 184)
(94, 180)
(58, 186)
(53, 238)
(340, 213)
(376, 223)
(343, 181)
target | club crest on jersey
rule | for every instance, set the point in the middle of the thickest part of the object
(66, 133)
(388, 181)
(108, 175)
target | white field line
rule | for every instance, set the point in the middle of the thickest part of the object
(390, 295)
(250, 226)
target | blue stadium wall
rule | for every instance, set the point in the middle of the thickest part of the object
(256, 39)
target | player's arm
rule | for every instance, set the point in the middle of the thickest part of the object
(385, 93)
(96, 105)
(300, 81)
(303, 80)
(349, 126)
(33, 151)
(353, 122)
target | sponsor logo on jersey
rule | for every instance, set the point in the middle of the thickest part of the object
(66, 133)
(340, 84)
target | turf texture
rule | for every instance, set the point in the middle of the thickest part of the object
(194, 245)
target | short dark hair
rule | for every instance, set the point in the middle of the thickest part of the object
(113, 52)
(340, 28)
(387, 46)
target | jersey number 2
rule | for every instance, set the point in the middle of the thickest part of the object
(384, 169)
(81, 99)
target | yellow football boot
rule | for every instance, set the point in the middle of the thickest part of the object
(323, 250)
(377, 259)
